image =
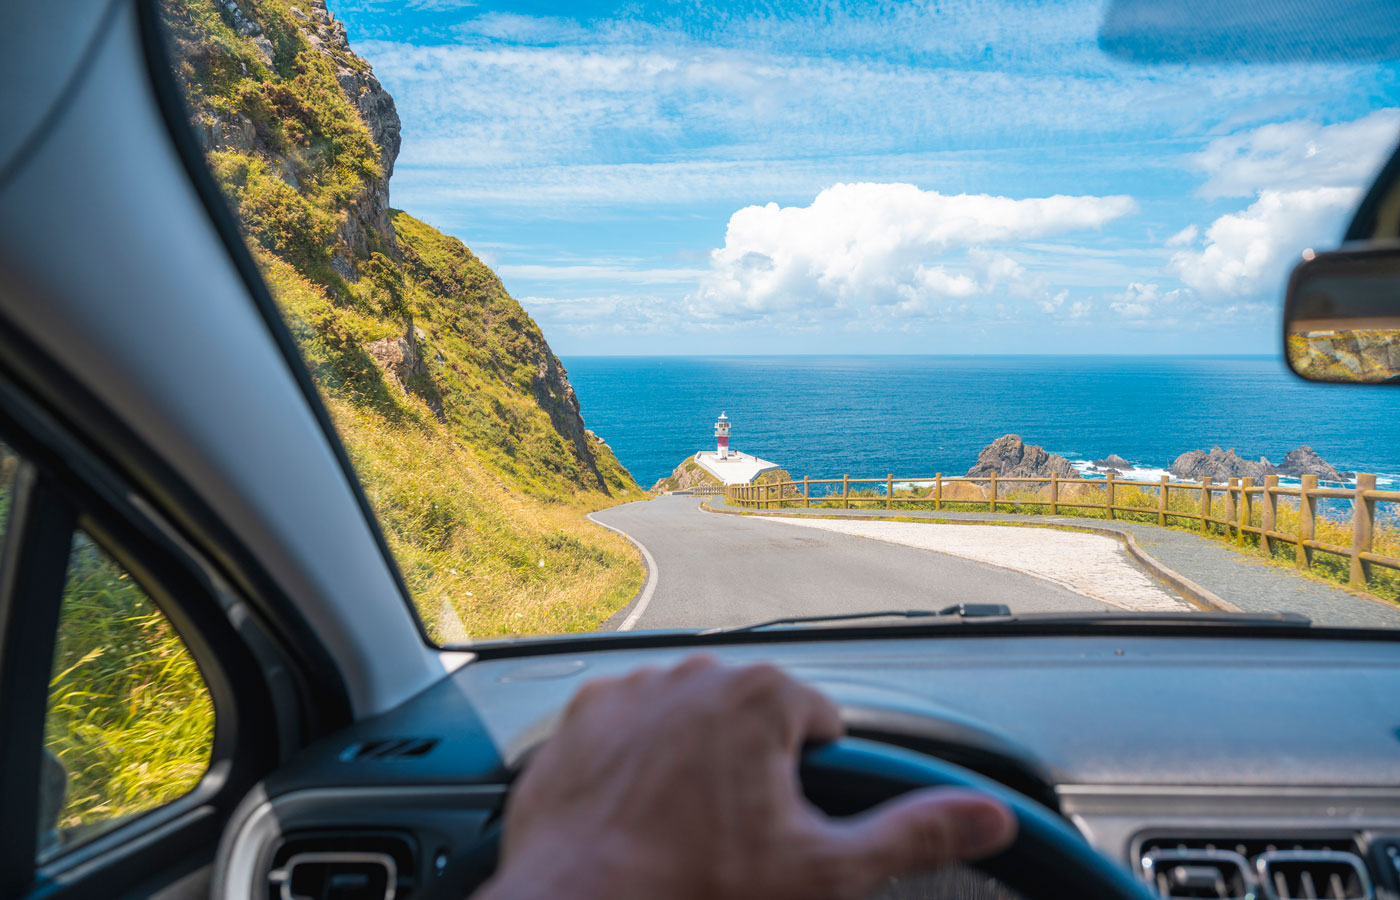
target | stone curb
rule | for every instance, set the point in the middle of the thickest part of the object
(1192, 592)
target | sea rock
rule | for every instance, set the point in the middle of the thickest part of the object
(1196, 464)
(1219, 465)
(1113, 461)
(1010, 457)
(1305, 461)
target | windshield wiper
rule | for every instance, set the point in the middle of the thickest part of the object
(961, 610)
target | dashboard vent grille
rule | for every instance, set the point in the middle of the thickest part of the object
(1314, 874)
(379, 865)
(1238, 868)
(388, 748)
(1195, 873)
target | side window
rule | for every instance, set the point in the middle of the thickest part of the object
(130, 722)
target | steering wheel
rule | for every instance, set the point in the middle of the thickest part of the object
(1049, 860)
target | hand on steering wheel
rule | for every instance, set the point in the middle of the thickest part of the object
(685, 783)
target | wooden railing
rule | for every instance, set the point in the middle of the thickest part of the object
(1238, 519)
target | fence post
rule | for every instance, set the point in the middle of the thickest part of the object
(1205, 503)
(889, 491)
(938, 490)
(1230, 504)
(993, 507)
(845, 492)
(1054, 494)
(1162, 502)
(1307, 527)
(1362, 515)
(1245, 509)
(1108, 496)
(806, 492)
(1268, 516)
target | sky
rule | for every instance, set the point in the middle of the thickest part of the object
(882, 177)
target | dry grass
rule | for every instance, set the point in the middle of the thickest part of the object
(504, 561)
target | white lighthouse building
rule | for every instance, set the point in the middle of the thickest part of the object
(729, 465)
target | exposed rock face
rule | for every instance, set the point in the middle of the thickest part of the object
(1220, 465)
(687, 475)
(369, 213)
(1305, 461)
(556, 397)
(1113, 461)
(1010, 457)
(367, 224)
(402, 360)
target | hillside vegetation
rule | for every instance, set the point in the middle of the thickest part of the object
(460, 419)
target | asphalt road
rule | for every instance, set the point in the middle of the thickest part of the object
(714, 570)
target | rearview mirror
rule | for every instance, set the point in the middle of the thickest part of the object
(1341, 318)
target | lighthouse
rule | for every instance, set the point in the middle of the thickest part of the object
(722, 436)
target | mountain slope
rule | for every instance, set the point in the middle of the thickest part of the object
(460, 419)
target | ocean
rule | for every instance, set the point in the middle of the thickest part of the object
(866, 416)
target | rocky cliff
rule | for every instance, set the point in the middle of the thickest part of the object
(459, 418)
(1010, 457)
(303, 138)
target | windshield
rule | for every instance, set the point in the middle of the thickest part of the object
(657, 315)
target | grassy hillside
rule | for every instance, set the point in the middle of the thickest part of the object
(459, 417)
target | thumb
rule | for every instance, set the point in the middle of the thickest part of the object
(924, 829)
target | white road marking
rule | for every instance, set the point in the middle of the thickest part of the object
(1088, 564)
(653, 572)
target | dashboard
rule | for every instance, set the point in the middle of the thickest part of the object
(1213, 766)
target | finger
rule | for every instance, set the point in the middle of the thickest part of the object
(815, 717)
(804, 713)
(922, 830)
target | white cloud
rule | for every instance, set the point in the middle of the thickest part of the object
(1297, 155)
(1250, 252)
(1141, 300)
(1183, 237)
(862, 246)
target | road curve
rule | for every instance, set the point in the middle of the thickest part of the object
(714, 570)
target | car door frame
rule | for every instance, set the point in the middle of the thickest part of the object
(264, 698)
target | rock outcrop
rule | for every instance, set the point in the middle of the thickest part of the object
(1010, 457)
(1113, 461)
(687, 475)
(1220, 465)
(1305, 461)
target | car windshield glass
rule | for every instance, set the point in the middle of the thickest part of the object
(651, 315)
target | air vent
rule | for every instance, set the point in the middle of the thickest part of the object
(1312, 874)
(388, 748)
(344, 865)
(1241, 868)
(1192, 873)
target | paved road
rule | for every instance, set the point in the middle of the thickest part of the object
(730, 570)
(1241, 578)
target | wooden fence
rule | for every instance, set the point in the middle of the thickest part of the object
(1239, 495)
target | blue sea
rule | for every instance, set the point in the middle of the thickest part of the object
(866, 416)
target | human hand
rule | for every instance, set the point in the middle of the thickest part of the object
(682, 783)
